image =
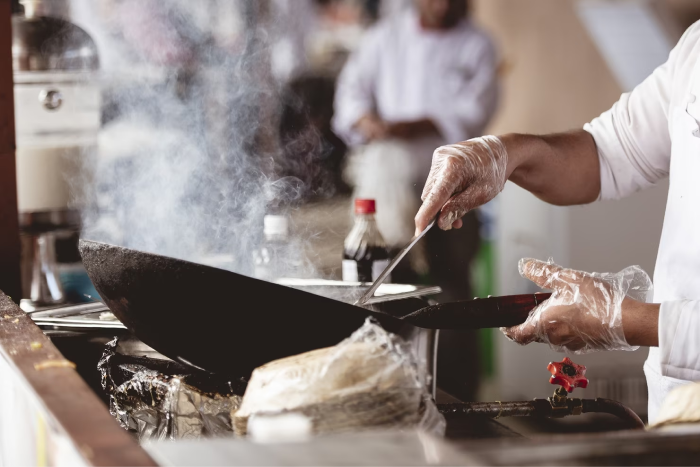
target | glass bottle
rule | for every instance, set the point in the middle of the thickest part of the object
(365, 254)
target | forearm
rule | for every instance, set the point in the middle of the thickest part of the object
(640, 322)
(561, 169)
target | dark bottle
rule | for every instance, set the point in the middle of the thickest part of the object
(365, 255)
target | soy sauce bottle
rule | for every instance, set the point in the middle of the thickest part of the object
(365, 255)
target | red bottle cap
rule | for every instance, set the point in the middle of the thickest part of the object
(365, 206)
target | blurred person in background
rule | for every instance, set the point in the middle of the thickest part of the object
(650, 134)
(422, 77)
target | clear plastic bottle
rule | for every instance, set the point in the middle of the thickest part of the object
(268, 256)
(365, 254)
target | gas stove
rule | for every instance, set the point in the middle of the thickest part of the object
(157, 398)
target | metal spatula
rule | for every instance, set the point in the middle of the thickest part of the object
(397, 259)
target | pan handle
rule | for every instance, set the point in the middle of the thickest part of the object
(492, 312)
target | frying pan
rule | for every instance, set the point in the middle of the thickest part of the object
(229, 323)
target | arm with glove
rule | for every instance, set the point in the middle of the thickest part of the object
(626, 149)
(588, 312)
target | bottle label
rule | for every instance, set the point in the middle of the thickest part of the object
(378, 267)
(350, 270)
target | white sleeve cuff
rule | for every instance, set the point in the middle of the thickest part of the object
(679, 339)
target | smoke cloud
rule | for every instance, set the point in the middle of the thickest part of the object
(189, 157)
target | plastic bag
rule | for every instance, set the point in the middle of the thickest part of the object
(370, 380)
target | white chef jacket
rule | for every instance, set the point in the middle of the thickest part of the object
(404, 72)
(651, 133)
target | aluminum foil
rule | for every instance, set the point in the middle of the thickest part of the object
(160, 406)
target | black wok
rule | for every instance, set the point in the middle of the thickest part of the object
(228, 323)
(215, 319)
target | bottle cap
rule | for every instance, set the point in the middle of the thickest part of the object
(275, 225)
(365, 206)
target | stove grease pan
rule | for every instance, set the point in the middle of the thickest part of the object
(215, 319)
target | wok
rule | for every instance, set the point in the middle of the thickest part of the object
(229, 323)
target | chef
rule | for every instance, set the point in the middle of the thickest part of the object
(651, 133)
(422, 77)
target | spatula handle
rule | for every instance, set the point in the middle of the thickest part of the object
(492, 312)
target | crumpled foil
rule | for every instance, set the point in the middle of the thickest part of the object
(160, 404)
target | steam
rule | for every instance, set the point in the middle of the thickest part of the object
(190, 158)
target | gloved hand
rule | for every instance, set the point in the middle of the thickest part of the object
(463, 176)
(584, 313)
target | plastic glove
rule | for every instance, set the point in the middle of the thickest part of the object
(584, 313)
(463, 176)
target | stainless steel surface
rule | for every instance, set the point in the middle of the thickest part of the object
(41, 43)
(82, 317)
(68, 310)
(57, 118)
(419, 292)
(347, 291)
(424, 343)
(397, 259)
(78, 324)
(46, 288)
(373, 448)
(42, 285)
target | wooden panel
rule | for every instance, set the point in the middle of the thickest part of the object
(67, 398)
(554, 77)
(9, 229)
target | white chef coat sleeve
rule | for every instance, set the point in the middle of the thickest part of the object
(473, 104)
(633, 139)
(679, 345)
(354, 95)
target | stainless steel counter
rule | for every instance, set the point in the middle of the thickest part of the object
(380, 448)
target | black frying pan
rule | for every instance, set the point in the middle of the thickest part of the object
(229, 323)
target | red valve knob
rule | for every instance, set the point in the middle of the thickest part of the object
(568, 374)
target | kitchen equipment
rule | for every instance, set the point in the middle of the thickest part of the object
(84, 317)
(228, 323)
(347, 291)
(569, 376)
(491, 312)
(397, 259)
(57, 116)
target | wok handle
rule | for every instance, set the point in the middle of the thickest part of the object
(492, 312)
